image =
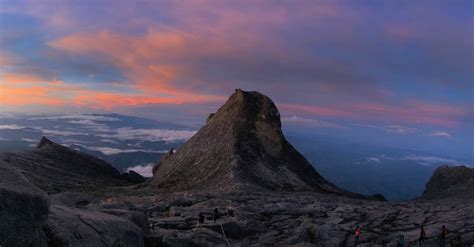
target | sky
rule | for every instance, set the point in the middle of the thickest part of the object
(396, 73)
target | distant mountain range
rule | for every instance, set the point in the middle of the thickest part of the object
(121, 140)
(136, 143)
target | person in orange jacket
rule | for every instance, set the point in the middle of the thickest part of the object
(357, 234)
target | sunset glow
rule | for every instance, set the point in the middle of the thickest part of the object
(349, 63)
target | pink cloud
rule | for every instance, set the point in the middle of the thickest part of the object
(440, 134)
(413, 112)
(310, 122)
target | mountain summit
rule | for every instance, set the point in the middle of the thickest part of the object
(242, 144)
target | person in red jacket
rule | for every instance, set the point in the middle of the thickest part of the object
(357, 234)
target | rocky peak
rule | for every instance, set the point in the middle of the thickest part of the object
(45, 142)
(241, 145)
(446, 181)
(251, 113)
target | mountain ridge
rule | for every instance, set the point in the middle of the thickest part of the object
(55, 168)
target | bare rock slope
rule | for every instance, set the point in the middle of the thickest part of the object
(30, 217)
(241, 145)
(55, 168)
(450, 182)
(23, 209)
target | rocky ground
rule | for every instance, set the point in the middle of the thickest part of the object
(302, 219)
(140, 215)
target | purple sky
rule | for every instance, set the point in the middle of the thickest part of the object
(397, 71)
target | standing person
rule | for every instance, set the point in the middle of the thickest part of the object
(421, 239)
(230, 212)
(401, 240)
(215, 214)
(357, 235)
(442, 236)
(200, 222)
(201, 218)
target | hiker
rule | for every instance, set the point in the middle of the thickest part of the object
(201, 218)
(401, 240)
(230, 212)
(421, 239)
(215, 214)
(200, 222)
(442, 236)
(357, 235)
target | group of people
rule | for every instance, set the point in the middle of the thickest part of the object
(215, 216)
(358, 231)
(401, 237)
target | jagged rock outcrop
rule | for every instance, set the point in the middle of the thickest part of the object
(55, 168)
(241, 145)
(23, 209)
(450, 182)
(133, 177)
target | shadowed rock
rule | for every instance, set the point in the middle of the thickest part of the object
(55, 168)
(23, 210)
(76, 227)
(449, 182)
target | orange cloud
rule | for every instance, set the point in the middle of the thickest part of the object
(15, 78)
(13, 95)
(20, 90)
(167, 61)
(140, 58)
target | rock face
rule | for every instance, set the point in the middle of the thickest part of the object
(55, 168)
(450, 182)
(72, 219)
(23, 210)
(77, 227)
(241, 145)
(162, 160)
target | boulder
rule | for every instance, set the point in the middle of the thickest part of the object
(77, 227)
(23, 210)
